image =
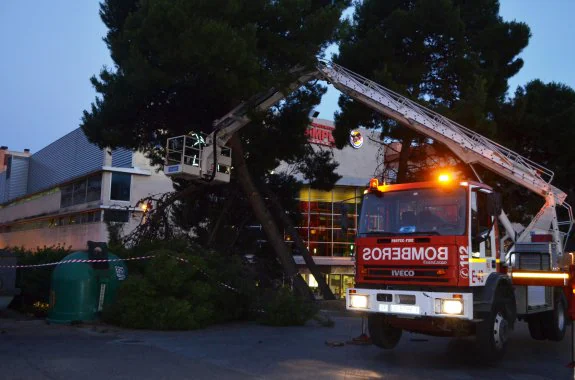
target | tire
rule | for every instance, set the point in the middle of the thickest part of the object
(382, 334)
(535, 324)
(492, 334)
(555, 321)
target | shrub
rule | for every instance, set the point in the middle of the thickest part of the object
(141, 306)
(284, 308)
(169, 294)
(35, 283)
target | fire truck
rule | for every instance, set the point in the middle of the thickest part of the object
(441, 257)
(438, 257)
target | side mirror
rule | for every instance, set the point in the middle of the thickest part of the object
(344, 221)
(494, 204)
(482, 236)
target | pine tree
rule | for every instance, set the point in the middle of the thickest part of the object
(454, 56)
(181, 64)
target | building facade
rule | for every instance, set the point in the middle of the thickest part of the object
(65, 193)
(333, 250)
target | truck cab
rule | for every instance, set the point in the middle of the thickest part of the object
(425, 252)
(428, 233)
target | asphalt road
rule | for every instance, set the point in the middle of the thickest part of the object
(35, 350)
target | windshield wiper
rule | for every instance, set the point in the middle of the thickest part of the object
(383, 233)
(380, 233)
(420, 233)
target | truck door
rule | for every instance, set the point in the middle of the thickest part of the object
(482, 258)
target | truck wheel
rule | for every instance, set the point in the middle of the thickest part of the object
(382, 334)
(555, 321)
(492, 333)
(535, 324)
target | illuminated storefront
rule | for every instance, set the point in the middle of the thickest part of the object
(321, 220)
(320, 227)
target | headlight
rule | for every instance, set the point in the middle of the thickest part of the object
(452, 306)
(358, 301)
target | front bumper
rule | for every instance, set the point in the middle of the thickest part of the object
(409, 304)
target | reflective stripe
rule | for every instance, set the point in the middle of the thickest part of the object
(540, 275)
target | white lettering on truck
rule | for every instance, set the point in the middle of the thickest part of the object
(406, 253)
(403, 273)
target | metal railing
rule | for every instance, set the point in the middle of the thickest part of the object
(185, 150)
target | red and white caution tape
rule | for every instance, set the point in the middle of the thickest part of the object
(72, 261)
(207, 275)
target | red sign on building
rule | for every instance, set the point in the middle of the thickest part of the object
(320, 134)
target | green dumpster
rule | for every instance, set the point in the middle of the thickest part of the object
(80, 290)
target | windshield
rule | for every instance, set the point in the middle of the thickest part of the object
(414, 212)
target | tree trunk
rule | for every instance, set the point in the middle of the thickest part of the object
(265, 218)
(313, 268)
(402, 165)
(223, 213)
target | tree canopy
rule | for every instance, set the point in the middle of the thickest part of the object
(181, 64)
(454, 56)
(539, 123)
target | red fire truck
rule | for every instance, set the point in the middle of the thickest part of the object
(441, 257)
(438, 257)
(428, 261)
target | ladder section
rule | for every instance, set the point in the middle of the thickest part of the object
(468, 145)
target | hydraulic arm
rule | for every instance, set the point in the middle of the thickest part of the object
(466, 144)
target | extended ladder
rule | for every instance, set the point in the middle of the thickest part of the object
(468, 145)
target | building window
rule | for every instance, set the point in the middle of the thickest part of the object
(320, 226)
(94, 188)
(79, 196)
(338, 283)
(66, 196)
(82, 191)
(119, 216)
(120, 189)
(55, 222)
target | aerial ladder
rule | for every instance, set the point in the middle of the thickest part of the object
(471, 148)
(534, 264)
(200, 157)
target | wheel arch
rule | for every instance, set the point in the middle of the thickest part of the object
(497, 285)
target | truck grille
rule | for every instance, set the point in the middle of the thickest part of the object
(424, 273)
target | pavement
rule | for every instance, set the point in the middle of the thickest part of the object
(32, 349)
